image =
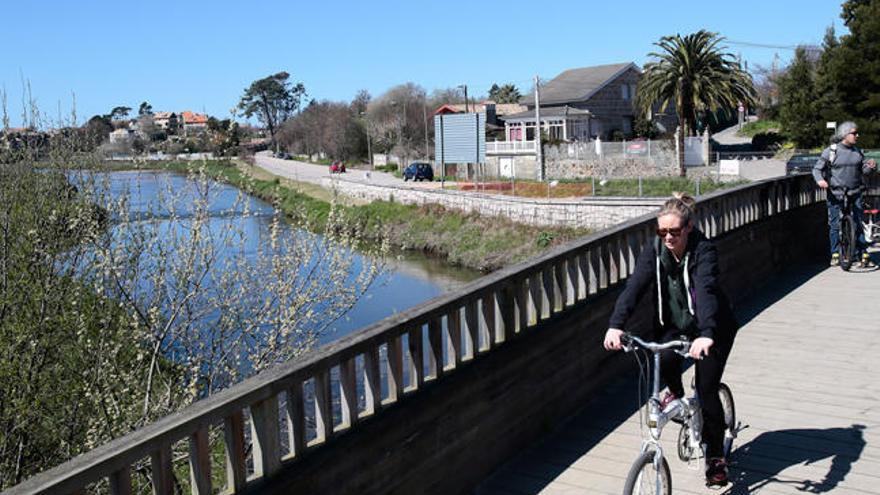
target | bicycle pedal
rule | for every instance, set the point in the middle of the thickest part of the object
(739, 427)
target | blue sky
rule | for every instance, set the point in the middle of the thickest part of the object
(201, 55)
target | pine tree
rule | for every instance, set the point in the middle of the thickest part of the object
(829, 98)
(856, 68)
(797, 110)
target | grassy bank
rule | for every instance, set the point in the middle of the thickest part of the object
(660, 187)
(466, 239)
(657, 187)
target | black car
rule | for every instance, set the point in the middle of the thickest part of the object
(800, 163)
(418, 171)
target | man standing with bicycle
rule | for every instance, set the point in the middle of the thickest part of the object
(842, 167)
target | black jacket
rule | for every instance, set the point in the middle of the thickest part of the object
(707, 301)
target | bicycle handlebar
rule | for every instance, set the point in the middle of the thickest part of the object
(632, 342)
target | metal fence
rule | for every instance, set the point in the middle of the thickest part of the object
(621, 159)
(608, 149)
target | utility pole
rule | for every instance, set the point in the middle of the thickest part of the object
(465, 97)
(539, 152)
(425, 115)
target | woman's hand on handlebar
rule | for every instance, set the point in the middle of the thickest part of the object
(612, 339)
(699, 347)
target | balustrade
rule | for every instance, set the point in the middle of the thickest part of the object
(295, 408)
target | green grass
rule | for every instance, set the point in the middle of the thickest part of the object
(660, 186)
(389, 167)
(759, 126)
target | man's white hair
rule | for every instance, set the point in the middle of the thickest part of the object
(843, 129)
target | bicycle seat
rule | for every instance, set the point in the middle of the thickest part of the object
(872, 211)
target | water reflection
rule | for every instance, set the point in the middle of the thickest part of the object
(410, 278)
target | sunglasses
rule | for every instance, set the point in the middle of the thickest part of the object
(854, 133)
(673, 232)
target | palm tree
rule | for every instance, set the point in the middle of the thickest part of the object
(507, 93)
(692, 73)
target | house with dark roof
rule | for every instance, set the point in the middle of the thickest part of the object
(580, 104)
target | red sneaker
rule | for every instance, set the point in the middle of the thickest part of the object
(716, 472)
(668, 397)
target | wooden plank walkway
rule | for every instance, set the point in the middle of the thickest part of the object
(805, 374)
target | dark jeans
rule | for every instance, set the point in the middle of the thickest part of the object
(708, 378)
(835, 204)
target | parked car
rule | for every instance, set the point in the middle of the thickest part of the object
(283, 155)
(337, 167)
(418, 171)
(799, 163)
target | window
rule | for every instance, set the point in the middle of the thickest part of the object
(624, 91)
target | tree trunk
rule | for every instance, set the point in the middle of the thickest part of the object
(679, 137)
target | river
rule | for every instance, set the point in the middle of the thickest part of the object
(407, 280)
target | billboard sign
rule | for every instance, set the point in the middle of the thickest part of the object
(460, 138)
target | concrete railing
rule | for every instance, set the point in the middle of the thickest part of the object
(434, 398)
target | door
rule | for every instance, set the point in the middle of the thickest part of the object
(505, 166)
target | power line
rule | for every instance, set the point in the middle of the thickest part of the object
(809, 48)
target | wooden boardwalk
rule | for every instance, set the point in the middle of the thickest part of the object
(805, 374)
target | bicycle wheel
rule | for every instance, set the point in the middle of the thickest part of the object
(729, 409)
(685, 450)
(847, 244)
(643, 479)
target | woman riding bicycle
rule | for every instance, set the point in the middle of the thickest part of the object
(681, 266)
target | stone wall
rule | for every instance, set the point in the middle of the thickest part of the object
(588, 212)
(525, 166)
(580, 161)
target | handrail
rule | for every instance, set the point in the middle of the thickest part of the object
(483, 315)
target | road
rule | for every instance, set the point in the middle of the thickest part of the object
(728, 136)
(320, 174)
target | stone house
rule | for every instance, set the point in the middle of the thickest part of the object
(577, 106)
(581, 104)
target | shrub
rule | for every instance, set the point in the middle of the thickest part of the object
(390, 167)
(545, 238)
(764, 141)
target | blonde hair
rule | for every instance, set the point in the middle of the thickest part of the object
(681, 204)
